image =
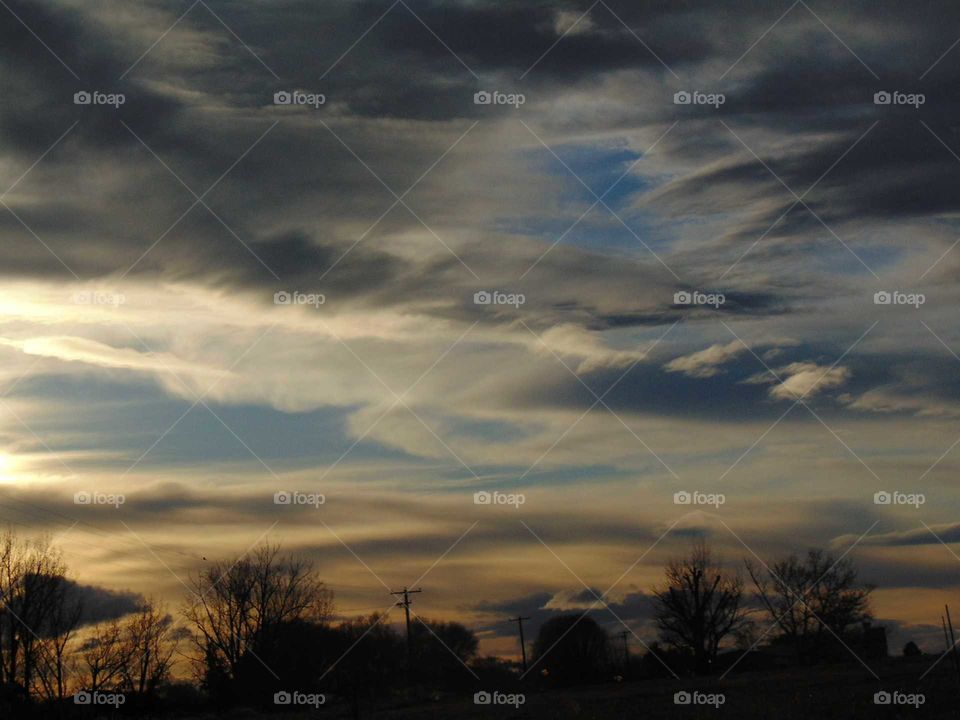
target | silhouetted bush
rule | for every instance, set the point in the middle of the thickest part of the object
(571, 649)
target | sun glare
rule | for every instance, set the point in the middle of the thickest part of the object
(6, 468)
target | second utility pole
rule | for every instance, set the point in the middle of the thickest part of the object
(626, 654)
(523, 647)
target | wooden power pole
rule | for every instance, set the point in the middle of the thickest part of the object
(953, 642)
(523, 646)
(406, 607)
(626, 653)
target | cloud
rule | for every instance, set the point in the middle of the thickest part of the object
(946, 532)
(83, 350)
(306, 200)
(706, 363)
(805, 379)
(594, 354)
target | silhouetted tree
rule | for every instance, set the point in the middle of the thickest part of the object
(237, 609)
(812, 600)
(911, 650)
(149, 643)
(700, 605)
(657, 661)
(441, 650)
(365, 658)
(34, 599)
(571, 649)
(56, 662)
(103, 658)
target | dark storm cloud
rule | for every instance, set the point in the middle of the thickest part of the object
(300, 200)
(39, 84)
(635, 608)
(99, 604)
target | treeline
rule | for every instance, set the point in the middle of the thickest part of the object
(47, 654)
(259, 631)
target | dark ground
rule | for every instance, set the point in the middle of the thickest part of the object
(823, 693)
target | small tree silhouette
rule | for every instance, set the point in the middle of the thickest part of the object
(911, 649)
(571, 649)
(440, 652)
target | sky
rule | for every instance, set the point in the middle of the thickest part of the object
(389, 255)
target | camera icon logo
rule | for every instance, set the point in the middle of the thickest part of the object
(682, 297)
(82, 98)
(482, 698)
(82, 698)
(882, 498)
(282, 698)
(82, 498)
(682, 498)
(282, 298)
(282, 497)
(482, 98)
(682, 698)
(682, 97)
(882, 98)
(482, 498)
(882, 698)
(282, 97)
(882, 297)
(482, 297)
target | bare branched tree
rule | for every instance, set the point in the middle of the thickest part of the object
(103, 658)
(810, 598)
(236, 608)
(56, 662)
(149, 644)
(700, 605)
(32, 594)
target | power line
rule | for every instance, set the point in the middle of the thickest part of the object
(81, 526)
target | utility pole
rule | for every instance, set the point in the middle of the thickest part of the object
(953, 641)
(523, 646)
(946, 642)
(406, 607)
(626, 654)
